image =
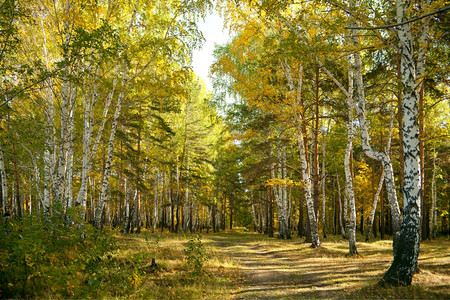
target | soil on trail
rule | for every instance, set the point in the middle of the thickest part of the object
(277, 269)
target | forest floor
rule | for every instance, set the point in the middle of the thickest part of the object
(244, 265)
(277, 269)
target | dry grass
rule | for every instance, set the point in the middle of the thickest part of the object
(247, 265)
(173, 279)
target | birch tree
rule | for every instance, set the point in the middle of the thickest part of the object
(306, 176)
(279, 187)
(3, 180)
(405, 261)
(112, 136)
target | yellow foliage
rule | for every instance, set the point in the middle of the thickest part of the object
(282, 182)
(364, 184)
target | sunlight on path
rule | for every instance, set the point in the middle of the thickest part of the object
(276, 269)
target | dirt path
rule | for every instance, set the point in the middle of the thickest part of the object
(271, 272)
(275, 269)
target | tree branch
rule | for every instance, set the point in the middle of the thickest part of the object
(404, 22)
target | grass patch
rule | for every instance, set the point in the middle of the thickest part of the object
(177, 277)
(214, 266)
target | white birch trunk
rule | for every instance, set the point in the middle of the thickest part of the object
(255, 219)
(313, 220)
(126, 227)
(377, 155)
(405, 261)
(58, 188)
(155, 199)
(112, 136)
(37, 174)
(346, 213)
(347, 168)
(260, 215)
(341, 210)
(308, 193)
(3, 181)
(88, 152)
(50, 150)
(68, 193)
(280, 191)
(88, 105)
(50, 133)
(380, 184)
(187, 204)
(105, 181)
(47, 180)
(66, 89)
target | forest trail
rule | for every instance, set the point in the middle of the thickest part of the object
(280, 269)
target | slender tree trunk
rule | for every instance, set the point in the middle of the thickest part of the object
(50, 133)
(58, 189)
(351, 227)
(280, 194)
(270, 213)
(316, 167)
(88, 152)
(420, 92)
(19, 207)
(380, 156)
(68, 193)
(423, 204)
(3, 180)
(155, 199)
(300, 217)
(138, 173)
(405, 261)
(255, 220)
(374, 208)
(112, 136)
(380, 184)
(223, 214)
(433, 221)
(343, 220)
(127, 209)
(324, 215)
(126, 224)
(105, 181)
(231, 212)
(37, 175)
(335, 221)
(312, 216)
(347, 166)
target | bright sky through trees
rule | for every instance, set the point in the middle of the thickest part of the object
(214, 33)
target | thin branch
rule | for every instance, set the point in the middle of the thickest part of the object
(404, 22)
(292, 168)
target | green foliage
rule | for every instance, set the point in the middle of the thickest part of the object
(195, 254)
(41, 257)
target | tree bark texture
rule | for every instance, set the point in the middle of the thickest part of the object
(405, 261)
(307, 182)
(347, 167)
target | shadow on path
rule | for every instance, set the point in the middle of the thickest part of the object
(277, 269)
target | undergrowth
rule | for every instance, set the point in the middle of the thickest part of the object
(51, 256)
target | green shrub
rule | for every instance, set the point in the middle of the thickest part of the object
(48, 257)
(195, 254)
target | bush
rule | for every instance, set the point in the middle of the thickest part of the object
(45, 257)
(195, 254)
